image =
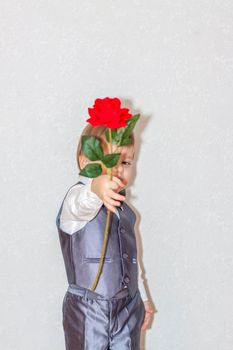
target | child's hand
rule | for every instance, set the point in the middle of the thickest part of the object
(148, 314)
(107, 190)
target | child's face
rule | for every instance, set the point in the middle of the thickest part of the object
(123, 169)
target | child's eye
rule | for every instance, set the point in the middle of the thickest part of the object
(126, 163)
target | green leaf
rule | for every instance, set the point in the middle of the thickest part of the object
(121, 136)
(125, 141)
(91, 170)
(110, 160)
(125, 135)
(115, 136)
(92, 148)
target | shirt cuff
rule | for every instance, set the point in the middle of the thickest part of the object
(142, 290)
(141, 286)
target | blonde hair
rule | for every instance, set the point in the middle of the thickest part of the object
(99, 132)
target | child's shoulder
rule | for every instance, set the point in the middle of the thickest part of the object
(73, 190)
(82, 181)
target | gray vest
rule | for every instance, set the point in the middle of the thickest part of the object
(82, 250)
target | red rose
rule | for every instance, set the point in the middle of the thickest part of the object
(108, 112)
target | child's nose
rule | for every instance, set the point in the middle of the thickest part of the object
(118, 169)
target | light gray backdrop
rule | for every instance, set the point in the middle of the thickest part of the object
(171, 61)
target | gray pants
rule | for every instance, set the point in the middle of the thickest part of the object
(95, 323)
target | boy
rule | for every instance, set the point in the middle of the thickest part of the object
(112, 316)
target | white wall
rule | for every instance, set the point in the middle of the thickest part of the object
(171, 61)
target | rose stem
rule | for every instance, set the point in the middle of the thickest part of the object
(103, 250)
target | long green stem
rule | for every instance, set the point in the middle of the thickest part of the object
(105, 241)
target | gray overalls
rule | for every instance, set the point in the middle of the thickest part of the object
(112, 316)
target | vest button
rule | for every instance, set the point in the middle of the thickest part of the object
(122, 229)
(126, 279)
(125, 255)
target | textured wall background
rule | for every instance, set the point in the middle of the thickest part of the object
(171, 61)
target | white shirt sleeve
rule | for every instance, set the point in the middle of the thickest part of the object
(80, 206)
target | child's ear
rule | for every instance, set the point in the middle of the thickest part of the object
(83, 161)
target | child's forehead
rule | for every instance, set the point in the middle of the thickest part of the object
(127, 151)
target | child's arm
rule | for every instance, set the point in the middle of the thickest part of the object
(147, 304)
(83, 202)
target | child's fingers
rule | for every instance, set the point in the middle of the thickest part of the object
(118, 181)
(112, 202)
(110, 207)
(146, 321)
(116, 196)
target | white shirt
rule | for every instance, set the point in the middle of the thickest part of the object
(79, 207)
